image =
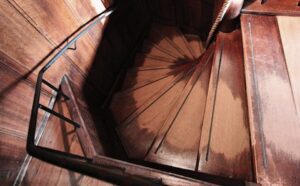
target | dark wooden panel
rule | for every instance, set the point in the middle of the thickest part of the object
(166, 11)
(273, 7)
(225, 141)
(273, 116)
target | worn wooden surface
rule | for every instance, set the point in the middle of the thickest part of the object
(162, 177)
(272, 97)
(225, 142)
(273, 7)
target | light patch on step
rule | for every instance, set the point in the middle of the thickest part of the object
(229, 134)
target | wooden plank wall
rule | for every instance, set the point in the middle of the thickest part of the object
(271, 48)
(29, 31)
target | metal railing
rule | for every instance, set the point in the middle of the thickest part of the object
(63, 159)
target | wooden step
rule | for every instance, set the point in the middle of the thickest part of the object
(151, 60)
(137, 77)
(178, 140)
(225, 142)
(165, 43)
(132, 99)
(139, 129)
(195, 44)
(170, 50)
(124, 103)
(149, 48)
(177, 38)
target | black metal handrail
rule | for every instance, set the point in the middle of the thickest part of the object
(64, 159)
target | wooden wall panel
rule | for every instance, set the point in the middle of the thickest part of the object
(16, 96)
(64, 20)
(29, 33)
(11, 157)
(275, 125)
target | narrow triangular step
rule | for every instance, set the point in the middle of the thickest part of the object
(162, 47)
(136, 78)
(195, 44)
(225, 143)
(165, 43)
(150, 49)
(178, 140)
(177, 38)
(151, 60)
(140, 129)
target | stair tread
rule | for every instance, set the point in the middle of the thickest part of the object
(162, 46)
(179, 79)
(180, 133)
(149, 48)
(165, 43)
(196, 44)
(124, 103)
(177, 37)
(158, 59)
(138, 136)
(225, 138)
(136, 79)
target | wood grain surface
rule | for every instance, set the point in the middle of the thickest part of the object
(29, 38)
(272, 106)
(272, 7)
(225, 142)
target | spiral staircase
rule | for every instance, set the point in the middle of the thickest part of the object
(170, 99)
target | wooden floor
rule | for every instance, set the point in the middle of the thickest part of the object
(186, 107)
